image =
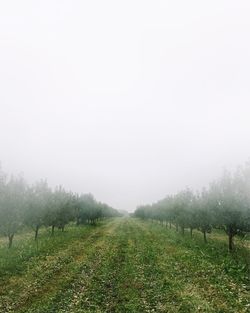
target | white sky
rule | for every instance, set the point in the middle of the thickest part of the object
(128, 100)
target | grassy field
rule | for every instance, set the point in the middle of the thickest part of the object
(123, 265)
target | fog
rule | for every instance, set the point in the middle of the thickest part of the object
(127, 100)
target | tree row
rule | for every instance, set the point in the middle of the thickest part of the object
(38, 205)
(225, 204)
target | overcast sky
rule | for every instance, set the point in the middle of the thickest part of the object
(128, 100)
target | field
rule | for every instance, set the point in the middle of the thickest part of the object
(123, 265)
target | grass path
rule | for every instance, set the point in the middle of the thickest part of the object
(127, 265)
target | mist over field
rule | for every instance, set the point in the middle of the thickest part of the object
(124, 156)
(129, 101)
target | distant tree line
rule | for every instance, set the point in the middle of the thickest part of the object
(38, 205)
(225, 204)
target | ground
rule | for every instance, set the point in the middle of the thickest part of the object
(122, 265)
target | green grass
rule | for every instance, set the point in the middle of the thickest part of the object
(123, 265)
(16, 259)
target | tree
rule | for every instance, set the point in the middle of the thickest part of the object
(203, 215)
(37, 204)
(12, 204)
(231, 211)
(183, 206)
(59, 210)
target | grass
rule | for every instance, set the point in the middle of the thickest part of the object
(123, 265)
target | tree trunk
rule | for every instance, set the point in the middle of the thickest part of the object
(36, 232)
(191, 232)
(177, 227)
(63, 228)
(182, 230)
(52, 230)
(205, 236)
(230, 241)
(10, 240)
(170, 225)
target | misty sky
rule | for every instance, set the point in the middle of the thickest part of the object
(128, 100)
